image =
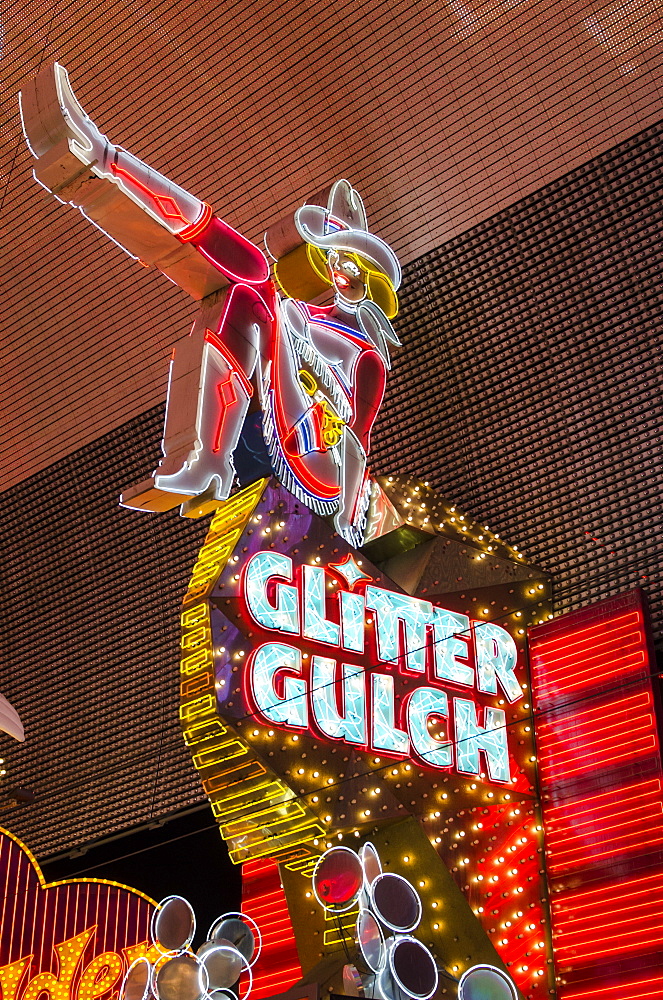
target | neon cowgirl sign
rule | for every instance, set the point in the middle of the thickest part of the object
(291, 686)
(317, 372)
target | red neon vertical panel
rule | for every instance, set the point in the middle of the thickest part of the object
(570, 660)
(580, 739)
(642, 988)
(263, 898)
(602, 789)
(610, 824)
(617, 918)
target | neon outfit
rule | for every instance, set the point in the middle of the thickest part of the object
(307, 363)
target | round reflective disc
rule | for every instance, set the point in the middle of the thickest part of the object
(181, 978)
(223, 962)
(337, 879)
(413, 968)
(396, 902)
(241, 930)
(370, 940)
(137, 983)
(173, 925)
(371, 863)
(238, 933)
(485, 982)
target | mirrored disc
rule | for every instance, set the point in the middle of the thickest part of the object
(337, 879)
(238, 933)
(413, 968)
(485, 982)
(370, 862)
(370, 940)
(223, 962)
(396, 902)
(137, 983)
(241, 930)
(181, 978)
(173, 925)
(385, 984)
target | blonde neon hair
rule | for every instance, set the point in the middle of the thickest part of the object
(303, 274)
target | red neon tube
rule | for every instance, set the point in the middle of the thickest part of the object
(603, 628)
(570, 720)
(635, 792)
(618, 992)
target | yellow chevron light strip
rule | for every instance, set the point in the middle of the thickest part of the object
(257, 812)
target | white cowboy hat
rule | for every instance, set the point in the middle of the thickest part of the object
(343, 226)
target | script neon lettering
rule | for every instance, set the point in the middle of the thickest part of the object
(59, 986)
(292, 686)
(352, 621)
(101, 975)
(349, 723)
(11, 977)
(451, 648)
(316, 624)
(385, 734)
(284, 695)
(472, 738)
(421, 705)
(268, 665)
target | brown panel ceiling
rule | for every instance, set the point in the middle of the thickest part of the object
(440, 113)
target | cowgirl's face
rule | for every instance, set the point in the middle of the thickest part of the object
(347, 277)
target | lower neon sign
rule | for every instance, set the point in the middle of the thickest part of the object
(69, 940)
(375, 668)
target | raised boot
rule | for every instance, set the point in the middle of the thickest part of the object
(148, 215)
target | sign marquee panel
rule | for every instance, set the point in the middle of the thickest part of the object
(318, 705)
(73, 940)
(328, 646)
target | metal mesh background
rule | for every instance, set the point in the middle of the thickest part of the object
(90, 606)
(528, 388)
